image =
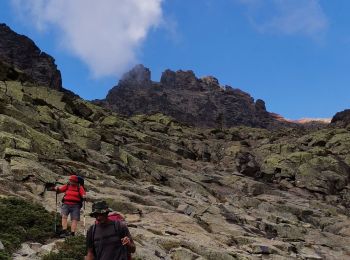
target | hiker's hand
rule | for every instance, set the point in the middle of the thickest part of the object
(125, 241)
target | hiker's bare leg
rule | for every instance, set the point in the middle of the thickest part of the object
(73, 227)
(90, 254)
(64, 222)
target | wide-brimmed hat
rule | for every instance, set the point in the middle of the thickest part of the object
(100, 207)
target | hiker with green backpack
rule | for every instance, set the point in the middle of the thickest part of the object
(73, 200)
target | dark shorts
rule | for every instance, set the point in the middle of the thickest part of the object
(73, 210)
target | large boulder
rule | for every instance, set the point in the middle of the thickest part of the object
(323, 174)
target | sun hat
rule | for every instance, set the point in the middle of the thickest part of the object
(100, 207)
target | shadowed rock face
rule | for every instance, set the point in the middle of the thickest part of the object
(341, 118)
(199, 102)
(21, 53)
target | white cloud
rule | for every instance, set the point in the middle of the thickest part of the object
(104, 34)
(290, 17)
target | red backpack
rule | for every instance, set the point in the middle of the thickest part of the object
(114, 216)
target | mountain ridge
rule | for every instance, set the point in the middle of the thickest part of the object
(200, 102)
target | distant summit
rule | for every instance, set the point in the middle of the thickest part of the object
(195, 101)
(19, 52)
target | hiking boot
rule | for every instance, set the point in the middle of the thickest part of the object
(64, 233)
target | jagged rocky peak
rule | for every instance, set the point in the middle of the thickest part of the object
(188, 99)
(187, 80)
(21, 53)
(139, 76)
(180, 80)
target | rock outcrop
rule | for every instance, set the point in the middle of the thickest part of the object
(342, 118)
(22, 54)
(188, 99)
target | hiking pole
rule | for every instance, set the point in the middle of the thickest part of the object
(84, 218)
(55, 227)
(41, 194)
(47, 186)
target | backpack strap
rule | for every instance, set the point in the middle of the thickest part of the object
(81, 198)
(116, 223)
(93, 239)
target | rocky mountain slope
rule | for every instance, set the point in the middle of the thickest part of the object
(186, 192)
(188, 99)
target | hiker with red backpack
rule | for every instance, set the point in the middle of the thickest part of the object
(74, 196)
(108, 239)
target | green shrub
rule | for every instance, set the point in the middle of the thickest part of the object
(22, 221)
(4, 255)
(73, 248)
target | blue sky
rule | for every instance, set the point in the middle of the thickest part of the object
(293, 54)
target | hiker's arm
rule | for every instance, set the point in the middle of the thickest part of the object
(131, 246)
(82, 192)
(90, 255)
(127, 241)
(89, 245)
(61, 189)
